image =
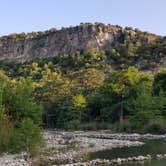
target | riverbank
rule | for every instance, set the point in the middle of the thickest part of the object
(14, 160)
(118, 161)
(73, 148)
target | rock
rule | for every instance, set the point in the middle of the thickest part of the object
(140, 158)
(119, 161)
(25, 47)
(85, 139)
(52, 43)
(13, 160)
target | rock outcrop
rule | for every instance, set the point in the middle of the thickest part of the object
(24, 47)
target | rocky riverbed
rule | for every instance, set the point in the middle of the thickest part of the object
(72, 148)
(106, 134)
(14, 160)
(118, 161)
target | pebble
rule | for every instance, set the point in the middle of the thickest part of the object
(13, 160)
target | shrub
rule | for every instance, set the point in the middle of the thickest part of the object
(95, 126)
(29, 135)
(156, 126)
(72, 125)
(20, 118)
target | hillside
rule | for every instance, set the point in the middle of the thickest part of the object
(87, 77)
(124, 46)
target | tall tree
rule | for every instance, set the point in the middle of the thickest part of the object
(122, 83)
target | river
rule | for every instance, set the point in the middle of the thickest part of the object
(152, 147)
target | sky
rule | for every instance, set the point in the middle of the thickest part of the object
(18, 16)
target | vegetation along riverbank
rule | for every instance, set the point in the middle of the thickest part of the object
(116, 84)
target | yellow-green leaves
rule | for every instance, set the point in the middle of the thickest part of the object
(79, 101)
(122, 81)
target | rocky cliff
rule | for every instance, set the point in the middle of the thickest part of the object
(24, 47)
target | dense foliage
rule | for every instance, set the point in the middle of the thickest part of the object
(20, 115)
(81, 91)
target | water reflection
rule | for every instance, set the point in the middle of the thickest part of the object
(152, 147)
(148, 163)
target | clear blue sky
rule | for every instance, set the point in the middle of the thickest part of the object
(35, 15)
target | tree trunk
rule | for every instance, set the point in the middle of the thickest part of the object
(121, 116)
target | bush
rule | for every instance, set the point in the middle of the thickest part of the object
(20, 118)
(29, 135)
(141, 119)
(95, 126)
(25, 138)
(155, 129)
(72, 125)
(156, 126)
(6, 132)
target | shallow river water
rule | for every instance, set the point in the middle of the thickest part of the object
(151, 147)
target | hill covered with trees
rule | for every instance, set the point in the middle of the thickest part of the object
(79, 91)
(103, 87)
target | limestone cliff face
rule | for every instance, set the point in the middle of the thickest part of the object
(24, 47)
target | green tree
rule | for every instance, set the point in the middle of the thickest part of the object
(29, 135)
(79, 103)
(86, 80)
(17, 104)
(52, 86)
(123, 83)
(159, 84)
